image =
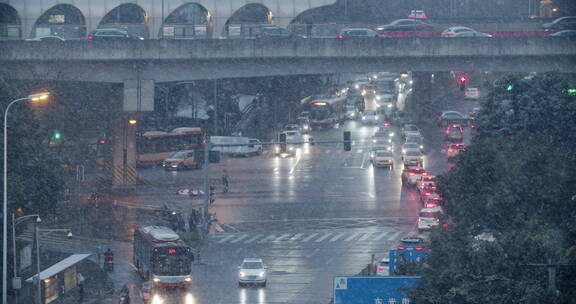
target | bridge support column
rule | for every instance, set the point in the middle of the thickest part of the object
(421, 103)
(124, 171)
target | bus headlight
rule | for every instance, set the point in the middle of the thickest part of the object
(188, 279)
(155, 279)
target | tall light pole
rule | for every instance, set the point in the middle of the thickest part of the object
(34, 98)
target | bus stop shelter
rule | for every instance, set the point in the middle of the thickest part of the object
(57, 279)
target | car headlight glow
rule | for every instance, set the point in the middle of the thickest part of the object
(363, 117)
(156, 279)
(376, 117)
(392, 134)
(261, 274)
(305, 127)
(357, 86)
(188, 279)
(156, 299)
(242, 274)
(421, 146)
(389, 105)
(291, 148)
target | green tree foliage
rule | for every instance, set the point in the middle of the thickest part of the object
(35, 179)
(518, 188)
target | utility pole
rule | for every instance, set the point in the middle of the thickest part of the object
(215, 106)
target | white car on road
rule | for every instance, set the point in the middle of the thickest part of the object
(252, 271)
(430, 217)
(383, 158)
(370, 117)
(412, 158)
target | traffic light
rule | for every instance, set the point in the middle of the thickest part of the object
(347, 141)
(101, 141)
(57, 135)
(283, 142)
(463, 80)
(509, 87)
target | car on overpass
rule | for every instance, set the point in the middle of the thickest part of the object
(405, 25)
(471, 34)
(563, 23)
(111, 34)
(451, 31)
(564, 33)
(47, 38)
(358, 33)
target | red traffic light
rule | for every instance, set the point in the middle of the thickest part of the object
(101, 141)
(463, 79)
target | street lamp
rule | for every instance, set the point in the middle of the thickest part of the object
(38, 281)
(16, 221)
(33, 98)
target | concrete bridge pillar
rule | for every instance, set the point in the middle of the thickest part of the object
(124, 158)
(421, 104)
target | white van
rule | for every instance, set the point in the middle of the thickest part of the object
(250, 146)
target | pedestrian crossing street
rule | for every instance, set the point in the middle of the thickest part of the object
(311, 237)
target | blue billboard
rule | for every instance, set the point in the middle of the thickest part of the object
(373, 290)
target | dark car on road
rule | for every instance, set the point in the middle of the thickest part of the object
(564, 23)
(406, 25)
(111, 34)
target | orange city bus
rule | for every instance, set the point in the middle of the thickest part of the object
(155, 146)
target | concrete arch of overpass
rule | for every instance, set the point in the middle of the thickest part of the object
(284, 11)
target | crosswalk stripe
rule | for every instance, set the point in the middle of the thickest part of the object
(253, 238)
(365, 236)
(270, 237)
(295, 237)
(323, 237)
(282, 237)
(348, 239)
(394, 235)
(239, 239)
(337, 237)
(225, 239)
(381, 235)
(313, 235)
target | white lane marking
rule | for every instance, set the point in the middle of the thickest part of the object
(282, 237)
(381, 235)
(348, 239)
(394, 235)
(365, 236)
(226, 239)
(239, 239)
(253, 238)
(337, 237)
(276, 169)
(359, 151)
(364, 160)
(295, 164)
(270, 237)
(295, 237)
(313, 235)
(323, 237)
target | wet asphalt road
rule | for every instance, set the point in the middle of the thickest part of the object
(310, 217)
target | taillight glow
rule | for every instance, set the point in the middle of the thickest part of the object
(90, 37)
(340, 37)
(401, 247)
(419, 248)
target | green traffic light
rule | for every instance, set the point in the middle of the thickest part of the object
(571, 91)
(57, 135)
(509, 87)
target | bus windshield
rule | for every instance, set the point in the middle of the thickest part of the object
(177, 263)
